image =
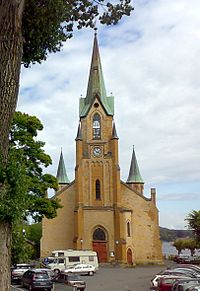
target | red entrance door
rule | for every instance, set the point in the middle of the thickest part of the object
(101, 249)
(129, 257)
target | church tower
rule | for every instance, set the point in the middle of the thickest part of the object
(100, 212)
(97, 170)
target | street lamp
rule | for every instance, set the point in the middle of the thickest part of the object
(116, 257)
(81, 241)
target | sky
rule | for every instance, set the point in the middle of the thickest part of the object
(151, 65)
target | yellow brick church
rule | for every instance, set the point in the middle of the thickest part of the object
(101, 212)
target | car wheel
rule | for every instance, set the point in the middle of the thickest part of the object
(91, 273)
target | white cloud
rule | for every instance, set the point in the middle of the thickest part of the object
(151, 65)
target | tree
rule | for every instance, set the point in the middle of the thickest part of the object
(30, 29)
(22, 250)
(179, 244)
(192, 245)
(25, 184)
(34, 234)
(26, 242)
(193, 220)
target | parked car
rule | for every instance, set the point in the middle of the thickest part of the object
(156, 279)
(182, 259)
(83, 269)
(18, 270)
(50, 272)
(184, 284)
(177, 272)
(194, 288)
(166, 283)
(71, 280)
(186, 259)
(37, 279)
(188, 271)
(190, 266)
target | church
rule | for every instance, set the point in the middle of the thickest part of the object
(100, 211)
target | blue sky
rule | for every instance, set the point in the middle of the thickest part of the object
(151, 65)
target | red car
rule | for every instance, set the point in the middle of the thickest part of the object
(165, 283)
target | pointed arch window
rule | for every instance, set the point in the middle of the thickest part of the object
(128, 229)
(96, 126)
(98, 189)
(99, 234)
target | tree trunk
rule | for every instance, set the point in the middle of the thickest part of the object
(11, 45)
(5, 253)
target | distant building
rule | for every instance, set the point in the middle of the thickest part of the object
(100, 211)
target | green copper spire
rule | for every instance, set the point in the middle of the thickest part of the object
(134, 172)
(61, 172)
(96, 86)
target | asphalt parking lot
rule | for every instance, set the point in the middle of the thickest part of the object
(115, 279)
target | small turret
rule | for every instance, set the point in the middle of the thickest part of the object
(79, 133)
(134, 179)
(61, 172)
(114, 132)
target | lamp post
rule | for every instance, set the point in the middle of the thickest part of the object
(81, 241)
(116, 256)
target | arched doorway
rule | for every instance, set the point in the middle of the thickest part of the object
(129, 256)
(100, 244)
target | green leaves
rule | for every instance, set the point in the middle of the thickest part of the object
(193, 220)
(25, 186)
(48, 23)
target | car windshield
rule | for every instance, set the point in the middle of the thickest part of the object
(41, 275)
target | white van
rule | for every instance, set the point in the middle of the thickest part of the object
(61, 259)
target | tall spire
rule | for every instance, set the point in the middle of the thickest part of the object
(61, 172)
(134, 172)
(96, 85)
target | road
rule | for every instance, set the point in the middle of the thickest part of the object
(115, 279)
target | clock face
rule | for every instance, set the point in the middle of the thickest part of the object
(97, 151)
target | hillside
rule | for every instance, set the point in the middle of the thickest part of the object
(173, 234)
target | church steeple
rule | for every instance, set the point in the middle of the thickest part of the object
(96, 85)
(134, 178)
(61, 172)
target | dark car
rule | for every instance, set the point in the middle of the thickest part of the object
(73, 280)
(37, 279)
(18, 270)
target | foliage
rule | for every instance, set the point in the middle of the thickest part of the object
(25, 184)
(25, 242)
(179, 245)
(187, 243)
(192, 245)
(21, 251)
(193, 220)
(48, 23)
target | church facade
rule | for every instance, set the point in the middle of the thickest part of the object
(101, 212)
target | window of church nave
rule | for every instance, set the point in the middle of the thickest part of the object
(128, 229)
(99, 234)
(98, 190)
(96, 126)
